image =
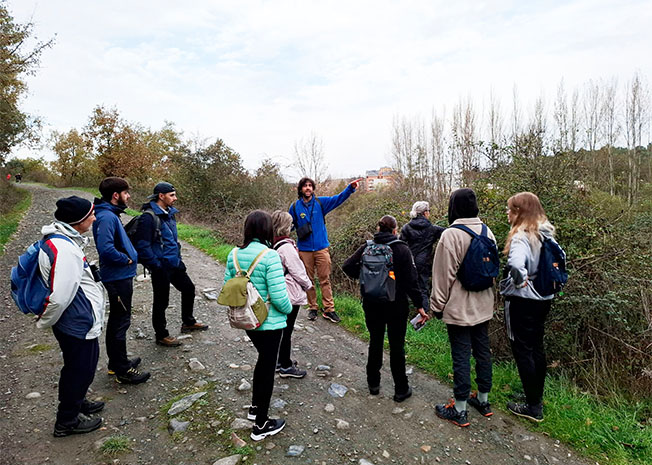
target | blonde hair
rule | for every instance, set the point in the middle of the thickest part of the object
(528, 215)
(282, 223)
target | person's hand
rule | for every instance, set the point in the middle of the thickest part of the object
(424, 316)
(355, 184)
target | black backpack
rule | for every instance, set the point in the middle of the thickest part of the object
(132, 226)
(377, 280)
(481, 264)
(551, 271)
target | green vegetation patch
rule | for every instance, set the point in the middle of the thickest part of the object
(9, 221)
(38, 348)
(616, 430)
(115, 445)
(205, 240)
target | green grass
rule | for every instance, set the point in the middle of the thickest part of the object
(115, 445)
(9, 221)
(38, 348)
(614, 431)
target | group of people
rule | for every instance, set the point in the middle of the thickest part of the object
(75, 306)
(283, 272)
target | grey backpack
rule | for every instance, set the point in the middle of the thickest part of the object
(377, 280)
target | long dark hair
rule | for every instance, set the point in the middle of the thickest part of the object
(302, 183)
(258, 225)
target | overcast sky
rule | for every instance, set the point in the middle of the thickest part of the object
(262, 74)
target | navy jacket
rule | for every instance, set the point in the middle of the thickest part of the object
(113, 245)
(156, 251)
(314, 213)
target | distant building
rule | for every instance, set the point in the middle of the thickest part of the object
(377, 179)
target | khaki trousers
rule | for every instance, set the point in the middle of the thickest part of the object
(321, 260)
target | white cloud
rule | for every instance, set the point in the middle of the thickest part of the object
(261, 74)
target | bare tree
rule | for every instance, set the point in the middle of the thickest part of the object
(592, 110)
(637, 100)
(463, 129)
(493, 150)
(574, 121)
(560, 116)
(309, 157)
(610, 126)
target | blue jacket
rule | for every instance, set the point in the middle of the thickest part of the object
(301, 214)
(154, 251)
(268, 280)
(113, 245)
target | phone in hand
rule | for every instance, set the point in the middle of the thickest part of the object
(416, 324)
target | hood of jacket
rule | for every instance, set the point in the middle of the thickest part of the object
(420, 222)
(383, 237)
(63, 228)
(462, 204)
(104, 205)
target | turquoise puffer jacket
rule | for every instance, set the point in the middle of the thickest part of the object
(268, 279)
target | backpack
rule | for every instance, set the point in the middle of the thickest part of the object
(551, 271)
(246, 308)
(481, 264)
(132, 226)
(377, 280)
(29, 289)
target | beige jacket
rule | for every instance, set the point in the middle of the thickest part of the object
(460, 307)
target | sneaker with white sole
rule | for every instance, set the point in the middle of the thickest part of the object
(312, 314)
(331, 316)
(292, 372)
(270, 428)
(531, 412)
(251, 414)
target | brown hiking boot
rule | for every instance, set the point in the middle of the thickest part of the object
(169, 341)
(196, 326)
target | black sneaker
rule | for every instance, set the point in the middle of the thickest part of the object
(132, 376)
(293, 372)
(401, 397)
(374, 390)
(84, 425)
(270, 428)
(483, 407)
(332, 316)
(133, 363)
(531, 412)
(312, 314)
(450, 413)
(251, 414)
(88, 407)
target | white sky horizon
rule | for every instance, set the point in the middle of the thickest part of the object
(261, 75)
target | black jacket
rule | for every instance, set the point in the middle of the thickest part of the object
(421, 235)
(407, 284)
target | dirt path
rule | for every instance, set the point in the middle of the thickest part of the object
(379, 430)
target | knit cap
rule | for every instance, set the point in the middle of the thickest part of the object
(73, 210)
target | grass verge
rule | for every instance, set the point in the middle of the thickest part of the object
(614, 431)
(9, 221)
(115, 445)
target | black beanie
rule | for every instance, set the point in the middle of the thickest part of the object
(73, 210)
(462, 204)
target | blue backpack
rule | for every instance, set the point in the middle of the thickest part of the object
(28, 288)
(480, 266)
(551, 271)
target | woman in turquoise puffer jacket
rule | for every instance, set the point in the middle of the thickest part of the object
(269, 281)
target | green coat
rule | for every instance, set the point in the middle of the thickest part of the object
(268, 279)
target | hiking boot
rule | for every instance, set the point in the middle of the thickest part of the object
(374, 390)
(483, 407)
(88, 407)
(312, 314)
(450, 413)
(196, 326)
(332, 316)
(531, 412)
(401, 397)
(270, 428)
(132, 376)
(169, 341)
(133, 363)
(84, 425)
(293, 372)
(251, 414)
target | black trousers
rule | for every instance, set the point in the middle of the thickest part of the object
(267, 344)
(467, 340)
(525, 319)
(424, 275)
(393, 316)
(120, 293)
(80, 358)
(284, 353)
(161, 280)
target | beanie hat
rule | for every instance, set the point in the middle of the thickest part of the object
(73, 210)
(419, 208)
(161, 188)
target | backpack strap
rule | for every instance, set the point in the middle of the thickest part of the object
(157, 223)
(396, 241)
(258, 258)
(280, 243)
(469, 231)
